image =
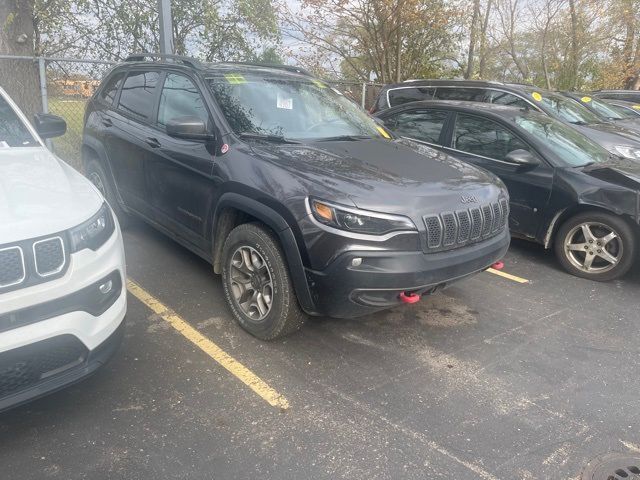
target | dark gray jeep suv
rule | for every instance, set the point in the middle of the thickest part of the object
(297, 197)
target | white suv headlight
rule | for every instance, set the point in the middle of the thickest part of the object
(94, 232)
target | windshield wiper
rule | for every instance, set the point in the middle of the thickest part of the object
(344, 138)
(266, 137)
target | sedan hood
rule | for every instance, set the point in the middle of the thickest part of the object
(400, 176)
(40, 194)
(623, 172)
(610, 134)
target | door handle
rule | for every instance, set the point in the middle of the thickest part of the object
(152, 142)
(107, 122)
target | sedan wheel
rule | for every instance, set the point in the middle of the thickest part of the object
(593, 247)
(596, 245)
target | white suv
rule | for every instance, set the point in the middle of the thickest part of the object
(62, 270)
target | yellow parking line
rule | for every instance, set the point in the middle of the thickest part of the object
(241, 372)
(507, 275)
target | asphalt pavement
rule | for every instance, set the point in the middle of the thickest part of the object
(524, 376)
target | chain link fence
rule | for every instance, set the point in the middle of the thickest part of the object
(63, 86)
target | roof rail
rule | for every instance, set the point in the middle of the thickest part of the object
(140, 57)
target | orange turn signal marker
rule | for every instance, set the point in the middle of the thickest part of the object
(323, 210)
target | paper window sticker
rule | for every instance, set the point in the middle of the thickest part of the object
(284, 102)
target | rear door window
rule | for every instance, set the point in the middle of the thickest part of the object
(505, 98)
(108, 93)
(461, 93)
(425, 125)
(484, 137)
(138, 93)
(399, 96)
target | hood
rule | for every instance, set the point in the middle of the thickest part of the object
(622, 172)
(630, 124)
(400, 176)
(610, 134)
(40, 194)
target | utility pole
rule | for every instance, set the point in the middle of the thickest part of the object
(166, 26)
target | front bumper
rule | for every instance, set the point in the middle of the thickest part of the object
(47, 366)
(346, 291)
(58, 332)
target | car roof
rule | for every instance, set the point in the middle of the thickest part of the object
(211, 68)
(502, 111)
(617, 91)
(462, 83)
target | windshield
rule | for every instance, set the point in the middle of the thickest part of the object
(624, 112)
(604, 109)
(13, 132)
(289, 107)
(566, 109)
(573, 148)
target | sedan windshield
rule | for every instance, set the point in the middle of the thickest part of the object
(13, 133)
(605, 110)
(289, 108)
(567, 110)
(624, 112)
(570, 146)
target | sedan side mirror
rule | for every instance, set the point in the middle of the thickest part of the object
(523, 159)
(48, 125)
(189, 128)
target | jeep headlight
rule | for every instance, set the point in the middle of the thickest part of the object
(358, 221)
(94, 232)
(626, 151)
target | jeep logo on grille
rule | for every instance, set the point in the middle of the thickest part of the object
(468, 199)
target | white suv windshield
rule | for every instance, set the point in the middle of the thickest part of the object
(289, 107)
(13, 132)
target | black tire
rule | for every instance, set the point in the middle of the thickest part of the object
(623, 247)
(96, 175)
(284, 315)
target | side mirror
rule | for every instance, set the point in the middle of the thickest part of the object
(189, 128)
(48, 125)
(523, 159)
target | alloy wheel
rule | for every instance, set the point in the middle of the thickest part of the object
(593, 247)
(251, 283)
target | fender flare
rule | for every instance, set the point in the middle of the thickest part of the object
(285, 234)
(94, 145)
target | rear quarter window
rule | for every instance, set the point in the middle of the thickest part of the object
(398, 96)
(110, 89)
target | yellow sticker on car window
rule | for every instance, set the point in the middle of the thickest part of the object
(234, 78)
(636, 107)
(586, 99)
(536, 96)
(319, 84)
(383, 132)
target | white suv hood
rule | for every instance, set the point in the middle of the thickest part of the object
(40, 194)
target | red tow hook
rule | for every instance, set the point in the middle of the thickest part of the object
(498, 265)
(409, 297)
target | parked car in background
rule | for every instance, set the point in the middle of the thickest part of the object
(301, 201)
(617, 140)
(62, 270)
(627, 109)
(624, 95)
(566, 191)
(606, 112)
